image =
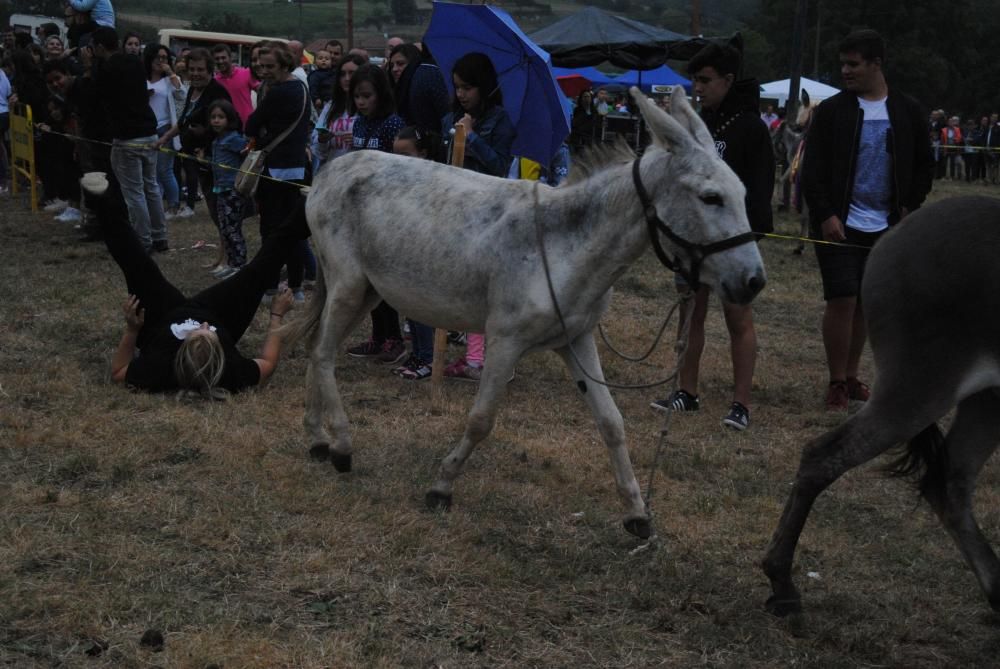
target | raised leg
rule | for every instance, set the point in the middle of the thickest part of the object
(868, 433)
(342, 312)
(611, 427)
(497, 370)
(972, 439)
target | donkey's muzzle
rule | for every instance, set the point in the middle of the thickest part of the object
(743, 291)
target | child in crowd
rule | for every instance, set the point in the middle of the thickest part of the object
(417, 143)
(376, 128)
(478, 106)
(334, 131)
(322, 79)
(227, 155)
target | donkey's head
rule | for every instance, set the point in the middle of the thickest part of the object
(699, 198)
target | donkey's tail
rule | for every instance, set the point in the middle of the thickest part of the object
(924, 460)
(305, 325)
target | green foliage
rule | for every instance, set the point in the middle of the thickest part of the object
(946, 56)
(42, 7)
(226, 22)
(404, 11)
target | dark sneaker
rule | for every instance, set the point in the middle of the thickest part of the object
(679, 400)
(457, 338)
(858, 391)
(837, 397)
(416, 370)
(368, 349)
(161, 245)
(738, 417)
(393, 350)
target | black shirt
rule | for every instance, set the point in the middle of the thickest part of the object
(153, 369)
(122, 92)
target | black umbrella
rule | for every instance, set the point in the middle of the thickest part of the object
(592, 36)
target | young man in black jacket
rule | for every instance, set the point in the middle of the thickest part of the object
(731, 110)
(868, 163)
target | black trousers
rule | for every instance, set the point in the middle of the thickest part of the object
(282, 204)
(233, 302)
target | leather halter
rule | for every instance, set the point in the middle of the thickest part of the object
(696, 253)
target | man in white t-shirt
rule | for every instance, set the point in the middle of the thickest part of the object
(868, 163)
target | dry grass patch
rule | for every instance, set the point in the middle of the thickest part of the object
(121, 512)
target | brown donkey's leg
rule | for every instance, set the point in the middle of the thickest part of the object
(970, 442)
(865, 435)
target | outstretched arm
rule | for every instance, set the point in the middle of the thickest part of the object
(269, 355)
(134, 318)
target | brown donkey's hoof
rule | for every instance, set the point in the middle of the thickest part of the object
(320, 452)
(437, 501)
(638, 526)
(342, 463)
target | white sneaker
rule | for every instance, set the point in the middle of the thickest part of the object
(227, 272)
(55, 206)
(219, 270)
(185, 212)
(70, 215)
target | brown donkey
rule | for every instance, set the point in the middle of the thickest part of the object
(933, 310)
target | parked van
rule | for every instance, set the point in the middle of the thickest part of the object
(176, 39)
(27, 23)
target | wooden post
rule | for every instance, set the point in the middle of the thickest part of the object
(441, 335)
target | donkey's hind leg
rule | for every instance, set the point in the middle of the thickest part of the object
(611, 427)
(499, 367)
(971, 440)
(342, 312)
(865, 435)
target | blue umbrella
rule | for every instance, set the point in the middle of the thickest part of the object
(661, 76)
(531, 96)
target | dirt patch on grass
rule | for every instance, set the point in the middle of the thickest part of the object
(123, 513)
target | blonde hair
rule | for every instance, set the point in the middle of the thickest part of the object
(198, 366)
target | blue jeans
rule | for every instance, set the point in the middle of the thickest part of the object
(134, 164)
(165, 173)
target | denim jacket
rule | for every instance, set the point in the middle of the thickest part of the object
(226, 153)
(488, 146)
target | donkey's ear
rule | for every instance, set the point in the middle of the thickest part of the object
(682, 111)
(665, 129)
(805, 98)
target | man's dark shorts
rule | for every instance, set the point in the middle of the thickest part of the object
(843, 267)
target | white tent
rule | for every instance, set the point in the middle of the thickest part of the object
(778, 90)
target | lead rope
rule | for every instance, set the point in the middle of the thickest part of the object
(684, 304)
(540, 238)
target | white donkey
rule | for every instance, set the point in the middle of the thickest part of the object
(460, 250)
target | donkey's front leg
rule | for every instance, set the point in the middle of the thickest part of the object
(611, 427)
(341, 314)
(499, 367)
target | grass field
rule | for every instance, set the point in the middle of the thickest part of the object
(124, 513)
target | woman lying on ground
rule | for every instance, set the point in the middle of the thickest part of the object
(176, 343)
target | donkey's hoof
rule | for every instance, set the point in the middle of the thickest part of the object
(783, 606)
(437, 501)
(638, 526)
(342, 463)
(320, 452)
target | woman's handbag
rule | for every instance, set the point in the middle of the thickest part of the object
(253, 164)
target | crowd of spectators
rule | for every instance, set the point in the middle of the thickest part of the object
(966, 150)
(168, 128)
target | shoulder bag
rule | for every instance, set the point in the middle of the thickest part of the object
(253, 163)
